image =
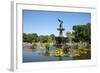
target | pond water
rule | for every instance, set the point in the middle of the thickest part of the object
(37, 56)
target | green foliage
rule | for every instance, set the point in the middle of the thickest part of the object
(34, 45)
(49, 39)
(24, 37)
(46, 38)
(33, 37)
(77, 46)
(70, 36)
(59, 52)
(82, 33)
(47, 46)
(52, 36)
(84, 54)
(30, 37)
(42, 39)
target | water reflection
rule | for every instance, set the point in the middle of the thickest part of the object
(40, 54)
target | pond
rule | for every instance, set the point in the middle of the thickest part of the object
(38, 56)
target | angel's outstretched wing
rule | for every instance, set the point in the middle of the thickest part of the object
(60, 21)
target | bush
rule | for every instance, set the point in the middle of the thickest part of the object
(59, 52)
(47, 46)
(78, 46)
(85, 54)
(34, 45)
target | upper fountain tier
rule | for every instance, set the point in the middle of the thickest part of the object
(60, 29)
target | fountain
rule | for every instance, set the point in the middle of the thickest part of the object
(49, 52)
(60, 40)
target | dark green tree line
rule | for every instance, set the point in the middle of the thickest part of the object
(33, 37)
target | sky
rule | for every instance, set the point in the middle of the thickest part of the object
(46, 22)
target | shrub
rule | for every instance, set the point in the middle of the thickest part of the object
(78, 46)
(34, 45)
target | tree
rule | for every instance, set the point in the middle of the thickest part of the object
(53, 37)
(30, 37)
(35, 37)
(24, 37)
(43, 38)
(46, 38)
(82, 32)
(49, 40)
(70, 36)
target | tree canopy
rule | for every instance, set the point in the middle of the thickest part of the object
(82, 32)
(33, 37)
(30, 37)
